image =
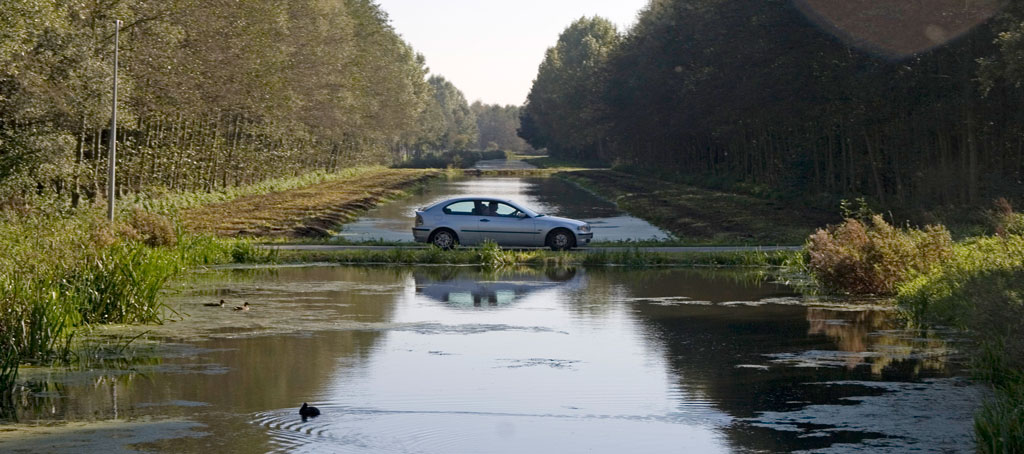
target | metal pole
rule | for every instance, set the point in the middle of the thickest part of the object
(111, 187)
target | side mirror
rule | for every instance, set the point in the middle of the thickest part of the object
(520, 215)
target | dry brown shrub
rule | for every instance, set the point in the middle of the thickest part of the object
(1004, 220)
(152, 229)
(871, 259)
(103, 234)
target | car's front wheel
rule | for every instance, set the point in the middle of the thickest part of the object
(561, 240)
(444, 239)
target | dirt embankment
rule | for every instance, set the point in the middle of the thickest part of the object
(703, 216)
(312, 211)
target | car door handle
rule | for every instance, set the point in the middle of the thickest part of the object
(485, 220)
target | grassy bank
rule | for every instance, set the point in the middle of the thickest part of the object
(976, 285)
(700, 216)
(548, 162)
(59, 273)
(980, 289)
(159, 200)
(312, 210)
(491, 255)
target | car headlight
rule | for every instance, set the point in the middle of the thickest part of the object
(585, 228)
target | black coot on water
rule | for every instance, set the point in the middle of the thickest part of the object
(307, 411)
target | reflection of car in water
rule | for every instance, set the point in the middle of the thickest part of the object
(473, 288)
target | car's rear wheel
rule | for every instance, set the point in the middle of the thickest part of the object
(444, 239)
(560, 240)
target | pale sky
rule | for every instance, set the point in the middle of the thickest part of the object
(490, 49)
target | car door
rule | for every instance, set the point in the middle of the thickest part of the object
(463, 217)
(506, 225)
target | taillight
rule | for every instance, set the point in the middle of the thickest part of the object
(419, 220)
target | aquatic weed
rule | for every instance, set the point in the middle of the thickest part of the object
(490, 255)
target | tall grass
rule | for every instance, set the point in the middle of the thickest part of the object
(980, 272)
(980, 289)
(999, 425)
(493, 256)
(58, 273)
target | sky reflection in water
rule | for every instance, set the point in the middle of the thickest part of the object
(437, 359)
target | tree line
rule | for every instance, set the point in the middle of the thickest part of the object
(212, 93)
(767, 93)
(456, 125)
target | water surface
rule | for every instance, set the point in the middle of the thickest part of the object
(443, 359)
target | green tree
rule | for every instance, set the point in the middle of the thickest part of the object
(565, 110)
(498, 125)
(458, 129)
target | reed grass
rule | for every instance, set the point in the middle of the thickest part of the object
(492, 255)
(59, 273)
(980, 289)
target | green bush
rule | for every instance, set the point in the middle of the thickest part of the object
(980, 288)
(981, 278)
(1004, 220)
(860, 258)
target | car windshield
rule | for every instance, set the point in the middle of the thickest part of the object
(529, 212)
(503, 208)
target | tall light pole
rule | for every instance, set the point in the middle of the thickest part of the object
(111, 187)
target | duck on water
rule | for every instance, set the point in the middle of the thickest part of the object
(307, 411)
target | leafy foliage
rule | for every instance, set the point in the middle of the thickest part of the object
(213, 94)
(874, 258)
(498, 126)
(565, 105)
(981, 289)
(758, 93)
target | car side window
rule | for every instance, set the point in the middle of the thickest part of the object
(465, 207)
(506, 210)
(498, 209)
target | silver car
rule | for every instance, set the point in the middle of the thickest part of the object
(472, 220)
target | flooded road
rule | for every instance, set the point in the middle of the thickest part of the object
(547, 195)
(456, 359)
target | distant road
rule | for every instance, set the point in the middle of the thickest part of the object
(335, 247)
(503, 164)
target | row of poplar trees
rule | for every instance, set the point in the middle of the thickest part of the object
(212, 93)
(905, 103)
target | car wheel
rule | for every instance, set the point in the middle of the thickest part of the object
(444, 239)
(561, 240)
